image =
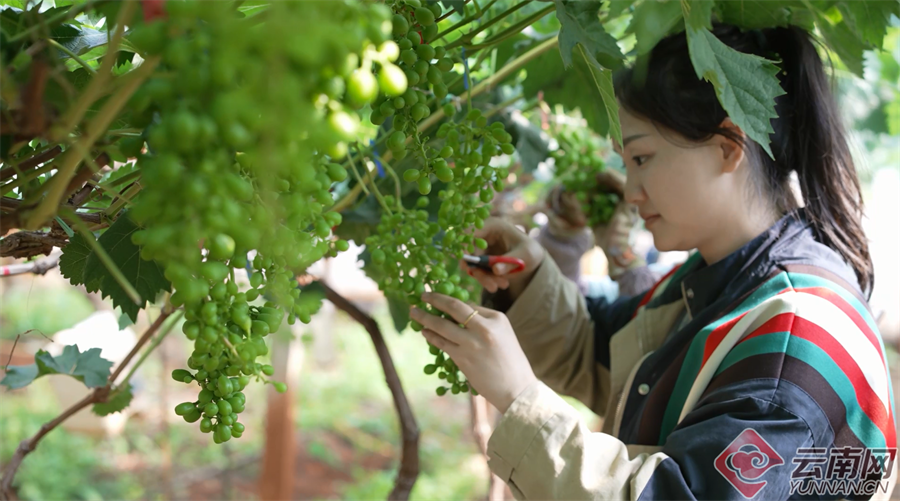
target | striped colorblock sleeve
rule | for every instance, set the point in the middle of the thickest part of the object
(797, 366)
(800, 362)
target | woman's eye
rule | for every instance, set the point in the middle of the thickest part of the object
(639, 160)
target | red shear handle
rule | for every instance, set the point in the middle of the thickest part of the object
(487, 263)
(517, 264)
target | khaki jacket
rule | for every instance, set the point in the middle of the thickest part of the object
(543, 450)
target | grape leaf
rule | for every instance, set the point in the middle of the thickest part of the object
(845, 43)
(603, 79)
(574, 88)
(617, 7)
(115, 402)
(531, 147)
(697, 13)
(458, 6)
(745, 84)
(19, 376)
(757, 14)
(580, 25)
(399, 309)
(869, 19)
(79, 39)
(652, 21)
(146, 276)
(74, 256)
(88, 367)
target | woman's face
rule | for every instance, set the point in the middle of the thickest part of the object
(687, 193)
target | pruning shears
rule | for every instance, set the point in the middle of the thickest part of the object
(487, 263)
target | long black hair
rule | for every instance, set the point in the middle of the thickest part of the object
(809, 136)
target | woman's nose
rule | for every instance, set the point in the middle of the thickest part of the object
(634, 191)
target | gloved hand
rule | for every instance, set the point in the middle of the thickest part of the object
(614, 237)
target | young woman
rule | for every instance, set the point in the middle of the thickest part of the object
(753, 366)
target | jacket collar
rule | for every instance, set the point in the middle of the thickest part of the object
(704, 284)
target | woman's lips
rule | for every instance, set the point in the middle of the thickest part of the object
(649, 220)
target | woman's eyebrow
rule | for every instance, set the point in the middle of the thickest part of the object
(626, 141)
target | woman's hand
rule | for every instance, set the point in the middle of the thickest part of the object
(486, 350)
(505, 239)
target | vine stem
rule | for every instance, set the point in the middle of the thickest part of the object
(90, 69)
(409, 455)
(372, 182)
(94, 89)
(98, 395)
(25, 178)
(18, 169)
(468, 37)
(72, 156)
(513, 30)
(108, 262)
(504, 72)
(156, 341)
(393, 174)
(124, 198)
(462, 22)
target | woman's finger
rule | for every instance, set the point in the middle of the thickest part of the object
(438, 341)
(441, 326)
(457, 309)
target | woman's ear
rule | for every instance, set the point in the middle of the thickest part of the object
(732, 152)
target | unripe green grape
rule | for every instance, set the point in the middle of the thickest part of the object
(180, 375)
(193, 416)
(430, 369)
(424, 185)
(445, 174)
(362, 87)
(400, 25)
(441, 390)
(424, 16)
(280, 387)
(425, 52)
(411, 175)
(408, 57)
(445, 64)
(224, 407)
(419, 111)
(184, 408)
(410, 97)
(392, 80)
(430, 32)
(449, 110)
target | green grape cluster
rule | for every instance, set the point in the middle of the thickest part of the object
(424, 66)
(256, 161)
(578, 164)
(404, 248)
